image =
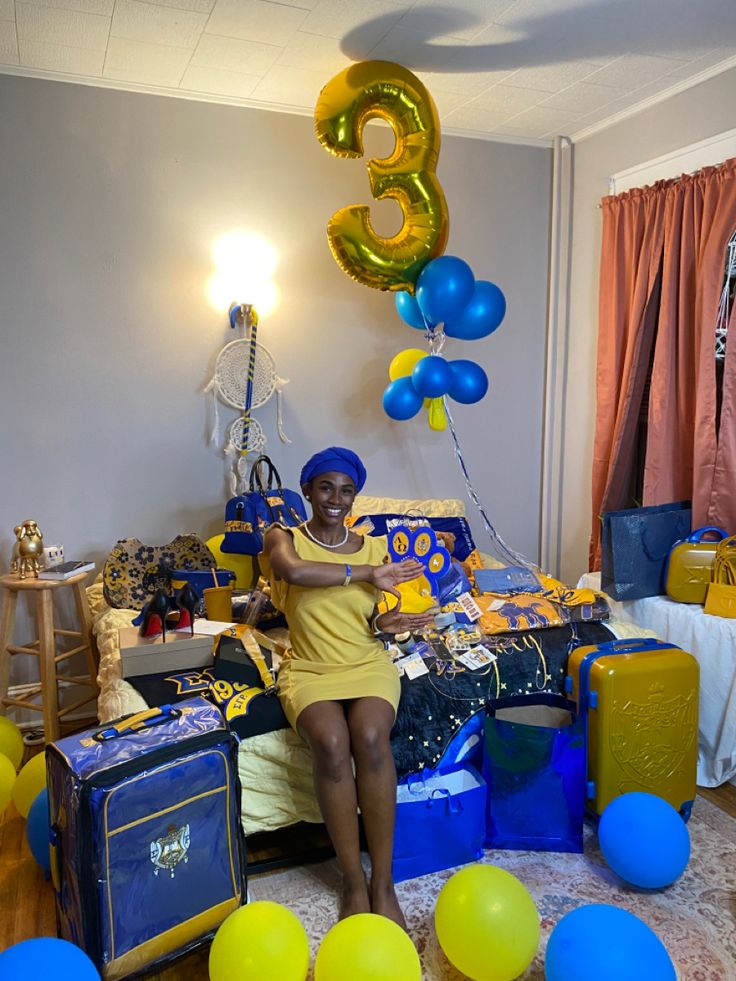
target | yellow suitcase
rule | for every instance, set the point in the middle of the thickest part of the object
(639, 698)
(690, 566)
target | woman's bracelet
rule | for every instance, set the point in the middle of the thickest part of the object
(374, 624)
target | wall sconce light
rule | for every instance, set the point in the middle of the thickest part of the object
(245, 264)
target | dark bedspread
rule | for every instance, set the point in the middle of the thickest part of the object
(433, 708)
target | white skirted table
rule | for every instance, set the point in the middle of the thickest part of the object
(712, 641)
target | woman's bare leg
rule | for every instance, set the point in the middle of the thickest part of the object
(324, 727)
(370, 721)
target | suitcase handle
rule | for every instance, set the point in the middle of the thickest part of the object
(134, 723)
(700, 533)
(629, 646)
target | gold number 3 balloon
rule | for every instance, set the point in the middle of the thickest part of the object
(381, 89)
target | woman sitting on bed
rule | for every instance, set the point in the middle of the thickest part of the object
(338, 688)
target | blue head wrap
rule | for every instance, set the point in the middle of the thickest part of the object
(338, 460)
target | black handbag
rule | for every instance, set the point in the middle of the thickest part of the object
(635, 544)
(267, 502)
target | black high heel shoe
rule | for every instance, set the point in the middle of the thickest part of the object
(153, 616)
(187, 601)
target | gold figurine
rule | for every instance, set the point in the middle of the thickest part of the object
(28, 549)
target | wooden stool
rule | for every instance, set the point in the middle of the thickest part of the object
(44, 648)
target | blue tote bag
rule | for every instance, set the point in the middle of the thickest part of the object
(535, 776)
(440, 821)
(635, 544)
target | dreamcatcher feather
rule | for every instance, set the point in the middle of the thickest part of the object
(244, 378)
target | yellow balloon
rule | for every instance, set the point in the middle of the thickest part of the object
(403, 364)
(11, 741)
(7, 780)
(436, 413)
(365, 947)
(390, 92)
(258, 941)
(31, 781)
(487, 923)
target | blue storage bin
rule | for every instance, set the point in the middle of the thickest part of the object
(201, 579)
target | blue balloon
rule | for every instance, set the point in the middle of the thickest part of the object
(432, 377)
(401, 400)
(37, 830)
(46, 957)
(644, 840)
(605, 943)
(444, 288)
(469, 382)
(408, 309)
(481, 316)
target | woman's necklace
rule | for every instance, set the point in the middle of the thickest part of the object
(316, 540)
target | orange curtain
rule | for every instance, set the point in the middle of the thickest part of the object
(692, 219)
(633, 233)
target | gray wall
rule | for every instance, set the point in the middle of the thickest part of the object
(110, 202)
(701, 112)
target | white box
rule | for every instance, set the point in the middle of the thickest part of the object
(150, 655)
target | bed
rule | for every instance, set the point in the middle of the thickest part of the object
(275, 767)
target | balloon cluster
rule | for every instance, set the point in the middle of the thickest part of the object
(27, 790)
(448, 302)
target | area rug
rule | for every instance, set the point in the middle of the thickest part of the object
(695, 918)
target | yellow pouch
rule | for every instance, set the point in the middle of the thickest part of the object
(721, 598)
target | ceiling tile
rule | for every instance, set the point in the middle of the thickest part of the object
(218, 81)
(539, 121)
(157, 25)
(8, 43)
(290, 86)
(104, 7)
(508, 99)
(403, 46)
(68, 27)
(7, 10)
(304, 4)
(468, 84)
(704, 62)
(583, 97)
(469, 117)
(314, 51)
(138, 61)
(447, 102)
(201, 6)
(255, 20)
(370, 19)
(233, 55)
(462, 18)
(60, 58)
(632, 70)
(552, 78)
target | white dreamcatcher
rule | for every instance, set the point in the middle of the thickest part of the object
(245, 379)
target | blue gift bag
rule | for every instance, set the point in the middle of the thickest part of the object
(536, 778)
(440, 821)
(635, 544)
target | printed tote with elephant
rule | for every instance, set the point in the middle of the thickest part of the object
(147, 852)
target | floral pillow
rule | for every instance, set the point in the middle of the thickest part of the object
(133, 571)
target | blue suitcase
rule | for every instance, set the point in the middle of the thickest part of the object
(148, 855)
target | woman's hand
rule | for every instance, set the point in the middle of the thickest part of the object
(388, 576)
(396, 622)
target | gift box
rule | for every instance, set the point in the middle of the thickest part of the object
(150, 655)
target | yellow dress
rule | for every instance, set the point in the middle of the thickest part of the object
(334, 654)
